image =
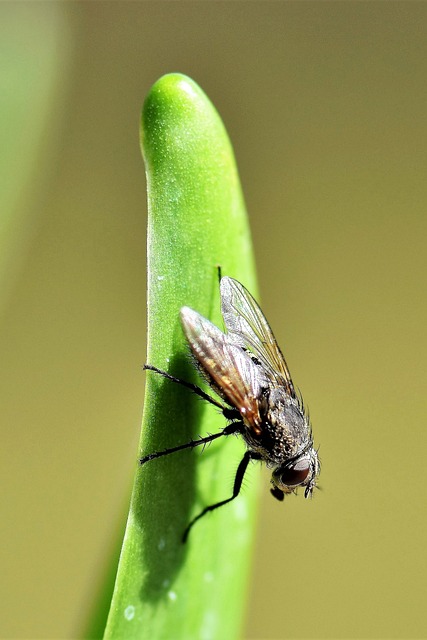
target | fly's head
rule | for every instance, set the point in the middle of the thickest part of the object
(300, 471)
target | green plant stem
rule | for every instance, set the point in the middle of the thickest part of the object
(197, 221)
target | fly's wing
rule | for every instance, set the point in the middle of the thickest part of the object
(247, 327)
(230, 369)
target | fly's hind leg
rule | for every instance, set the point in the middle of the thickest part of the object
(228, 412)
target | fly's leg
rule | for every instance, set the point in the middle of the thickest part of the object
(227, 412)
(235, 427)
(240, 473)
(219, 273)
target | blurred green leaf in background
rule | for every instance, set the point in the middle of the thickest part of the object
(34, 72)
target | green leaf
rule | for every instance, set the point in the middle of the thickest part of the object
(35, 54)
(197, 221)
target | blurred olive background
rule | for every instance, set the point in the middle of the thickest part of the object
(326, 104)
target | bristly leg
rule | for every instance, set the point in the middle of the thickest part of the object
(234, 427)
(228, 412)
(240, 473)
(219, 273)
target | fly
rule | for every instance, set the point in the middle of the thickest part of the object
(246, 369)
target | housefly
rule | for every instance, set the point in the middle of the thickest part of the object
(247, 371)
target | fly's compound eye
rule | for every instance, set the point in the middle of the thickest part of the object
(292, 475)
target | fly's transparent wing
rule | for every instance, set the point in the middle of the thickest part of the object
(230, 369)
(247, 328)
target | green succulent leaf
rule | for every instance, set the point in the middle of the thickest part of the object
(197, 221)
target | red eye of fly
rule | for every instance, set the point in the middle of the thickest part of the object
(292, 476)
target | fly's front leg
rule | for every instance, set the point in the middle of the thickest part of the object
(241, 470)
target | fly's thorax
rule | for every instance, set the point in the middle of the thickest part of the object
(284, 430)
(287, 424)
